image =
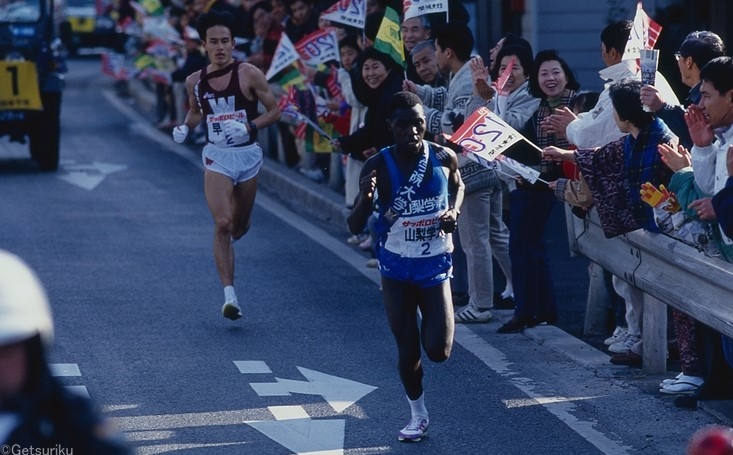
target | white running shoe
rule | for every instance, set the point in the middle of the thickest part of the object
(415, 429)
(231, 310)
(625, 345)
(618, 335)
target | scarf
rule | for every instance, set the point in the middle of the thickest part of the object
(643, 163)
(545, 139)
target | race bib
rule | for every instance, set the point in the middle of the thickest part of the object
(215, 127)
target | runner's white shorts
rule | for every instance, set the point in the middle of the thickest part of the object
(238, 163)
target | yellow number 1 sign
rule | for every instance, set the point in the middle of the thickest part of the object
(19, 86)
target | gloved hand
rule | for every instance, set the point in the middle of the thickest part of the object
(179, 133)
(236, 132)
(653, 196)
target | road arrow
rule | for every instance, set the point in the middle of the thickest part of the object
(340, 393)
(297, 432)
(88, 176)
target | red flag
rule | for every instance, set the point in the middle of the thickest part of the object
(654, 30)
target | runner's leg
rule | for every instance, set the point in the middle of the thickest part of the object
(437, 329)
(242, 204)
(401, 307)
(219, 195)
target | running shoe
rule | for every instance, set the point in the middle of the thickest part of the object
(416, 428)
(231, 310)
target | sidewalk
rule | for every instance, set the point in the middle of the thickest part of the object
(303, 195)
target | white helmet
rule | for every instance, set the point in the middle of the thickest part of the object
(24, 309)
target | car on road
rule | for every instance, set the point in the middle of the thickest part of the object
(85, 24)
(32, 68)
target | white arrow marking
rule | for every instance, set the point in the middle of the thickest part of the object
(64, 369)
(297, 432)
(88, 176)
(339, 392)
(69, 370)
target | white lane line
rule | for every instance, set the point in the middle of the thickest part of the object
(560, 407)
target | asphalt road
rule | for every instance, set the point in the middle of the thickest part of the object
(121, 237)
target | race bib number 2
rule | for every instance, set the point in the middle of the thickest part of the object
(19, 86)
(215, 126)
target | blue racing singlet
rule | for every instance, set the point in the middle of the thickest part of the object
(419, 203)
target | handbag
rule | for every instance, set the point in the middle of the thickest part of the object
(577, 193)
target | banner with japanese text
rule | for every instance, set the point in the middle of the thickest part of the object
(285, 55)
(347, 12)
(414, 8)
(318, 47)
(485, 134)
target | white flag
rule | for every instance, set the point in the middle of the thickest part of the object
(348, 12)
(643, 34)
(485, 134)
(318, 47)
(285, 54)
(414, 8)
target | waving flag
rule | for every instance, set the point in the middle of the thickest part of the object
(504, 77)
(389, 37)
(644, 34)
(485, 135)
(318, 47)
(285, 55)
(414, 8)
(347, 12)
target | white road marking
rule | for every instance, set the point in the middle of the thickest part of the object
(87, 176)
(295, 430)
(340, 393)
(252, 367)
(64, 369)
(560, 407)
(61, 370)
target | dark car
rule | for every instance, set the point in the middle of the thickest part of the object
(32, 67)
(85, 24)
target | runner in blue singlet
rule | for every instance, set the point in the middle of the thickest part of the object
(418, 196)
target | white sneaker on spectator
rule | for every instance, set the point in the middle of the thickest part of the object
(372, 263)
(621, 347)
(472, 314)
(356, 239)
(618, 335)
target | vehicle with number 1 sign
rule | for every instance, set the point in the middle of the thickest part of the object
(31, 78)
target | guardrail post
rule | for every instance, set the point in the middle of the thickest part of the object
(597, 303)
(654, 334)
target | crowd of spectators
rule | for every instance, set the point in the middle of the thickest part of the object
(640, 134)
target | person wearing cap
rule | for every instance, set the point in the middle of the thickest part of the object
(417, 190)
(35, 409)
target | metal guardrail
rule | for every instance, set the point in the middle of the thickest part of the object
(668, 271)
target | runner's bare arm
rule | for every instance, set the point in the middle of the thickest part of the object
(256, 80)
(455, 182)
(193, 116)
(364, 202)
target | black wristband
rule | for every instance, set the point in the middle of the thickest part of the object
(252, 130)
